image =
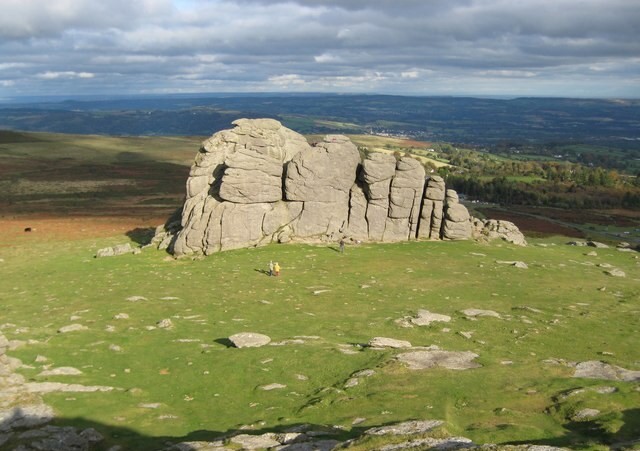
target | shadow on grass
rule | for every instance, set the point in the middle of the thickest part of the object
(24, 431)
(141, 235)
(224, 342)
(586, 434)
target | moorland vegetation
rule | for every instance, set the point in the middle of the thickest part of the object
(155, 330)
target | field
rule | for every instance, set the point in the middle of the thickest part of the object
(185, 382)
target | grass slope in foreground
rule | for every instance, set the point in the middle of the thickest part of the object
(331, 302)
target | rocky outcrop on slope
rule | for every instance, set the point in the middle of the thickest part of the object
(492, 229)
(261, 182)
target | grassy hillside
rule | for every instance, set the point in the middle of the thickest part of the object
(186, 382)
(323, 308)
(48, 173)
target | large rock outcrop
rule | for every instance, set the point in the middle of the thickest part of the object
(261, 182)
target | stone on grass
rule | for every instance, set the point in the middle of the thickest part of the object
(405, 428)
(274, 386)
(352, 382)
(247, 441)
(585, 414)
(136, 298)
(25, 416)
(473, 313)
(249, 340)
(150, 405)
(606, 390)
(216, 445)
(425, 317)
(53, 387)
(119, 249)
(595, 369)
(165, 323)
(72, 328)
(383, 342)
(61, 371)
(450, 443)
(615, 272)
(515, 263)
(420, 360)
(597, 244)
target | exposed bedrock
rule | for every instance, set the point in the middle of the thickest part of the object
(261, 182)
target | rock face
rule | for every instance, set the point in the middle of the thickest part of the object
(260, 183)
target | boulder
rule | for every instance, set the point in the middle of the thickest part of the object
(260, 183)
(251, 177)
(119, 249)
(492, 229)
(405, 197)
(435, 188)
(324, 173)
(249, 340)
(239, 166)
(457, 224)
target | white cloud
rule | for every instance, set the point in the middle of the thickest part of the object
(401, 46)
(286, 80)
(50, 75)
(328, 58)
(410, 74)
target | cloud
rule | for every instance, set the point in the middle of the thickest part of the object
(68, 74)
(405, 46)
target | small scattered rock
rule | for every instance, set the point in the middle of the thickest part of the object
(150, 405)
(383, 342)
(419, 360)
(425, 317)
(119, 249)
(473, 313)
(615, 272)
(405, 428)
(352, 382)
(585, 414)
(121, 316)
(164, 324)
(597, 245)
(605, 390)
(247, 441)
(61, 371)
(364, 373)
(517, 264)
(72, 328)
(136, 298)
(249, 340)
(274, 386)
(594, 369)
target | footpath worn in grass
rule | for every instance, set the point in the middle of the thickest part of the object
(187, 383)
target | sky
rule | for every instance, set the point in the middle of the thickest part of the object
(567, 48)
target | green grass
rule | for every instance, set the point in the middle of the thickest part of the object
(206, 388)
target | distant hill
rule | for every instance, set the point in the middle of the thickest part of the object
(479, 121)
